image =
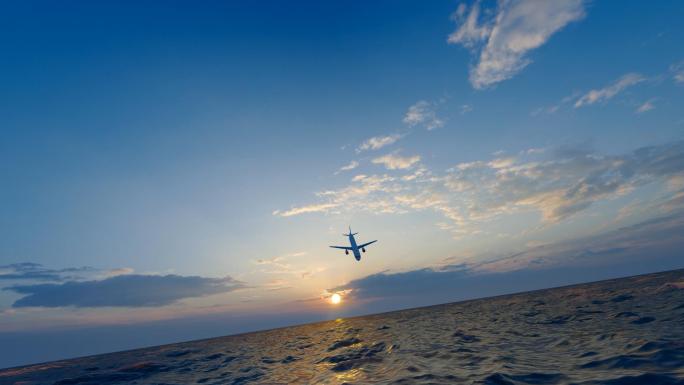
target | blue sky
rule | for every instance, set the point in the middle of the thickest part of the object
(200, 158)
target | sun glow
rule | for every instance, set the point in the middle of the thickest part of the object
(335, 299)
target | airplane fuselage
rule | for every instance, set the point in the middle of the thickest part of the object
(355, 248)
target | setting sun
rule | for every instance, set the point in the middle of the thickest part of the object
(335, 299)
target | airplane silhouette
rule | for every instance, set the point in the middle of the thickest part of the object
(354, 247)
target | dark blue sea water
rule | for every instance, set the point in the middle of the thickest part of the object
(618, 332)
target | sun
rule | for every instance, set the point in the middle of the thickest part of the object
(335, 299)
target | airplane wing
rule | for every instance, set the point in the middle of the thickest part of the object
(366, 244)
(342, 247)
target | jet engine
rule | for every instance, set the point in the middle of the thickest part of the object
(363, 249)
(346, 252)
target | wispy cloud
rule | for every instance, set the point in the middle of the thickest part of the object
(502, 37)
(281, 265)
(378, 142)
(554, 108)
(275, 261)
(608, 92)
(423, 113)
(397, 162)
(122, 291)
(471, 31)
(352, 165)
(465, 108)
(365, 192)
(677, 71)
(545, 110)
(646, 106)
(556, 183)
(277, 285)
(315, 208)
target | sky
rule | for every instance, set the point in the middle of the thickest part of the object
(177, 170)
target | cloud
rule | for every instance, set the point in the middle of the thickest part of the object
(378, 142)
(277, 285)
(315, 208)
(557, 184)
(37, 272)
(470, 33)
(396, 162)
(545, 110)
(608, 92)
(366, 192)
(310, 273)
(549, 110)
(275, 261)
(352, 165)
(466, 108)
(122, 291)
(423, 113)
(280, 265)
(647, 106)
(677, 71)
(279, 262)
(502, 37)
(29, 271)
(617, 246)
(656, 243)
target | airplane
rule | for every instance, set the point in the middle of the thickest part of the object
(354, 247)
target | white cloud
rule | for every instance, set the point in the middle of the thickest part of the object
(470, 33)
(365, 192)
(378, 142)
(397, 162)
(647, 106)
(352, 165)
(557, 184)
(501, 163)
(608, 92)
(315, 208)
(465, 108)
(677, 71)
(423, 113)
(504, 36)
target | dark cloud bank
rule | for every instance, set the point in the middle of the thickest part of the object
(124, 291)
(37, 272)
(650, 246)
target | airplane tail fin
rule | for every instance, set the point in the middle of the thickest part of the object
(350, 233)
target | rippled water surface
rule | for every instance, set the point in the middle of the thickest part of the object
(626, 331)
